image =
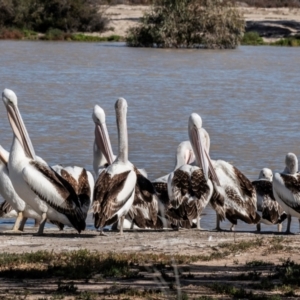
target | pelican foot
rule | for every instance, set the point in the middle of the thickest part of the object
(38, 234)
(119, 234)
(182, 229)
(103, 234)
(218, 229)
(288, 232)
(13, 231)
(200, 229)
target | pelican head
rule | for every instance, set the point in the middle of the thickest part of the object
(266, 174)
(101, 134)
(291, 162)
(121, 105)
(185, 154)
(11, 104)
(199, 144)
(9, 98)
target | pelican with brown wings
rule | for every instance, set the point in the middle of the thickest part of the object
(49, 194)
(190, 187)
(143, 212)
(271, 211)
(115, 187)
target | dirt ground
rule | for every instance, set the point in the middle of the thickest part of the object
(273, 249)
(271, 23)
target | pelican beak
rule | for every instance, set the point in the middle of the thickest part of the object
(3, 159)
(202, 155)
(189, 157)
(103, 142)
(19, 129)
(198, 142)
(212, 170)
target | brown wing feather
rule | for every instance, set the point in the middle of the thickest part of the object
(106, 191)
(5, 208)
(180, 187)
(161, 189)
(68, 177)
(72, 210)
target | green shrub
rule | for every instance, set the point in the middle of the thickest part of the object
(290, 41)
(190, 24)
(41, 15)
(252, 38)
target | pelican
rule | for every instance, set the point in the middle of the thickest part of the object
(177, 217)
(115, 187)
(191, 186)
(16, 203)
(286, 188)
(231, 187)
(272, 212)
(47, 192)
(143, 213)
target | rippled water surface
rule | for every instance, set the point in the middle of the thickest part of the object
(248, 99)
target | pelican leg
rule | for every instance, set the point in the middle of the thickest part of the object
(36, 223)
(198, 222)
(299, 223)
(16, 227)
(121, 225)
(258, 227)
(132, 225)
(232, 227)
(218, 228)
(288, 227)
(42, 224)
(22, 224)
(279, 227)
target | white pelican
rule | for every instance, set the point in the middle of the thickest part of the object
(231, 187)
(286, 188)
(48, 193)
(18, 205)
(272, 212)
(115, 187)
(190, 186)
(143, 213)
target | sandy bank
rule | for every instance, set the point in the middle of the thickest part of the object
(269, 22)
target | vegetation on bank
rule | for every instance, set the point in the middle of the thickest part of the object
(252, 38)
(54, 35)
(42, 15)
(189, 24)
(123, 275)
(254, 3)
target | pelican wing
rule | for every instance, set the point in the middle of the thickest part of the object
(183, 215)
(106, 203)
(200, 188)
(264, 189)
(179, 187)
(272, 211)
(5, 208)
(51, 187)
(161, 189)
(287, 187)
(245, 184)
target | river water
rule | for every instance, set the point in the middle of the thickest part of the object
(248, 99)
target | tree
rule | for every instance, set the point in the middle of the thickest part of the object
(190, 24)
